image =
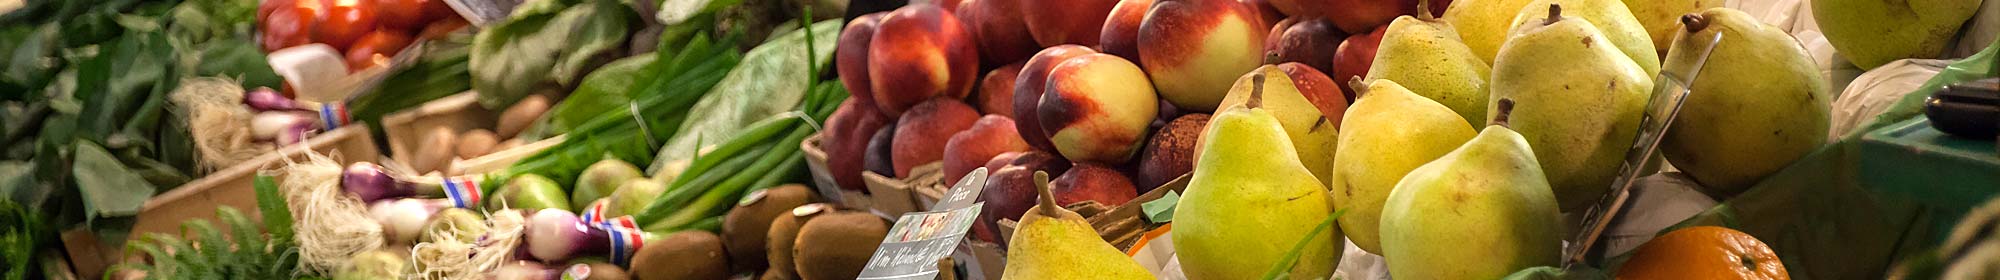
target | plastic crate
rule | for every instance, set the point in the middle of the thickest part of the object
(1945, 173)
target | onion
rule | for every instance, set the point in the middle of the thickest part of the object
(525, 270)
(556, 235)
(371, 183)
(404, 219)
(283, 127)
(265, 99)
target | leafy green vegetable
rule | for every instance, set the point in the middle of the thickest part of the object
(608, 87)
(439, 72)
(106, 188)
(21, 236)
(212, 255)
(545, 42)
(769, 82)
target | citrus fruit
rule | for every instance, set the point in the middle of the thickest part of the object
(1704, 252)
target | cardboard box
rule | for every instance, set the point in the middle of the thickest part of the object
(887, 196)
(198, 199)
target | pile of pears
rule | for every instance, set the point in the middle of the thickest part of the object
(1473, 135)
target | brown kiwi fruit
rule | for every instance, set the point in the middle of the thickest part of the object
(746, 226)
(784, 231)
(838, 245)
(689, 254)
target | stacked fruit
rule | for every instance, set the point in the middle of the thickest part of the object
(368, 32)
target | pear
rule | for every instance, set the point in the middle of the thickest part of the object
(1759, 105)
(1662, 18)
(1425, 54)
(1250, 201)
(1581, 100)
(1390, 131)
(1611, 18)
(1310, 131)
(1870, 33)
(1054, 243)
(1483, 24)
(1482, 211)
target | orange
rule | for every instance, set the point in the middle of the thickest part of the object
(1704, 252)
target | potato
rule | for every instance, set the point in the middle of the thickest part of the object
(477, 142)
(518, 117)
(436, 150)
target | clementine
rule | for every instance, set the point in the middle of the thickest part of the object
(1704, 252)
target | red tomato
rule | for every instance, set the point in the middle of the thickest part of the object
(286, 27)
(376, 48)
(400, 14)
(345, 21)
(264, 9)
(442, 27)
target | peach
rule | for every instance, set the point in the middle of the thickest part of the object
(972, 148)
(1028, 89)
(1170, 152)
(848, 132)
(1121, 29)
(1319, 89)
(850, 57)
(1057, 22)
(1096, 108)
(997, 25)
(879, 159)
(1010, 191)
(1195, 49)
(996, 91)
(1309, 41)
(1353, 16)
(918, 132)
(918, 52)
(1001, 160)
(1354, 57)
(1277, 29)
(1092, 182)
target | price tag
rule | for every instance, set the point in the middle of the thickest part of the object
(1670, 89)
(964, 192)
(917, 241)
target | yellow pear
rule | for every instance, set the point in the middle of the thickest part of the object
(1480, 212)
(1611, 18)
(1250, 201)
(1311, 132)
(1758, 105)
(1662, 18)
(1578, 101)
(1870, 33)
(1053, 243)
(1390, 131)
(1425, 55)
(1483, 23)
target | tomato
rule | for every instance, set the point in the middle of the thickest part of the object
(286, 27)
(345, 21)
(400, 14)
(264, 9)
(440, 28)
(376, 48)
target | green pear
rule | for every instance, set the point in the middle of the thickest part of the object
(1870, 33)
(1425, 55)
(1662, 18)
(1482, 211)
(1310, 131)
(1611, 18)
(1581, 100)
(1759, 104)
(1483, 24)
(1390, 131)
(1250, 201)
(1054, 243)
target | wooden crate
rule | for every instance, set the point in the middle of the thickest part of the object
(198, 199)
(460, 112)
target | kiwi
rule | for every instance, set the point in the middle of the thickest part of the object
(838, 245)
(595, 271)
(689, 254)
(746, 226)
(783, 233)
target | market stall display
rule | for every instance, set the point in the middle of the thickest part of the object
(990, 139)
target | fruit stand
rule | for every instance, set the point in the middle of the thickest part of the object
(999, 139)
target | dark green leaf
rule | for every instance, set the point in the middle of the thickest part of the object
(608, 87)
(544, 42)
(108, 188)
(277, 214)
